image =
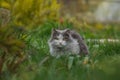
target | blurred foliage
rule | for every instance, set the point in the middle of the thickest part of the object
(15, 17)
(28, 13)
(11, 50)
(40, 65)
(4, 17)
(31, 47)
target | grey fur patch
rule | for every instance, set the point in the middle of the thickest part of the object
(66, 42)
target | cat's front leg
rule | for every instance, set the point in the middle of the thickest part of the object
(54, 53)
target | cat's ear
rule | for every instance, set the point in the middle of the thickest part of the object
(53, 30)
(68, 31)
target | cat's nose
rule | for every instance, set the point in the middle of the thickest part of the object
(60, 43)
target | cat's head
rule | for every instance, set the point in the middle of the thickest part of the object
(60, 38)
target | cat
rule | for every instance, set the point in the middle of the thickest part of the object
(66, 42)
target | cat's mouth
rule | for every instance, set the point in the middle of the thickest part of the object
(60, 47)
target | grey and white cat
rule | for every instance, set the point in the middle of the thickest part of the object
(65, 42)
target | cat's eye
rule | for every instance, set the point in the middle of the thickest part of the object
(56, 38)
(65, 38)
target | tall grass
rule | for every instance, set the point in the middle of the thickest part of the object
(102, 63)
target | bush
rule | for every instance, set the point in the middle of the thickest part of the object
(15, 14)
(31, 12)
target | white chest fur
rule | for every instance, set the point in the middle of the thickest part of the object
(72, 48)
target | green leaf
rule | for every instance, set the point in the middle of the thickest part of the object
(70, 62)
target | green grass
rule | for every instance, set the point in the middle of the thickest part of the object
(103, 62)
